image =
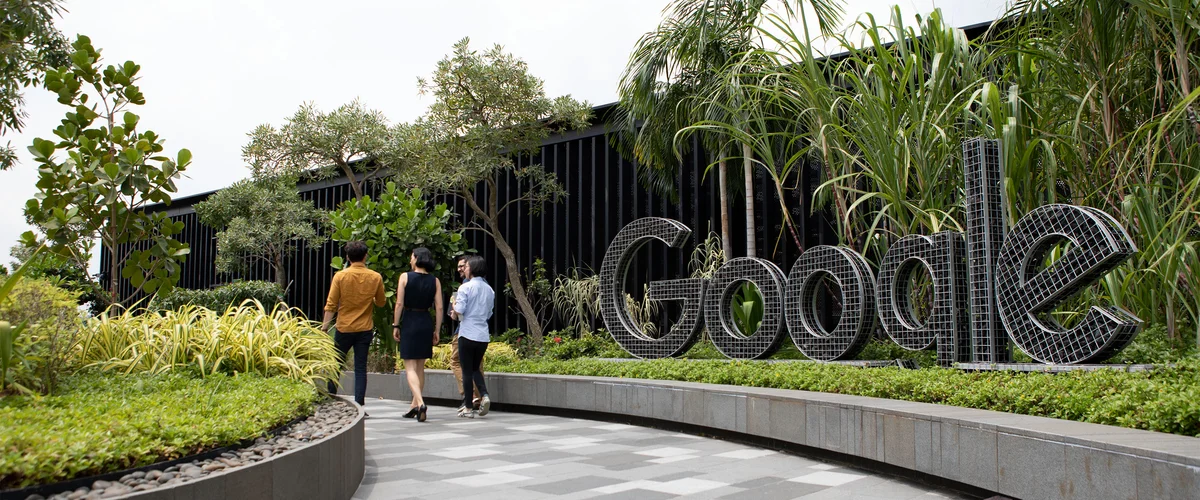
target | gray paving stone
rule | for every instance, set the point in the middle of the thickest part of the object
(637, 495)
(574, 485)
(544, 463)
(779, 490)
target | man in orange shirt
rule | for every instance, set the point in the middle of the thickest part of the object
(354, 293)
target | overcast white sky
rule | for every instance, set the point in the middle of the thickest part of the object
(213, 70)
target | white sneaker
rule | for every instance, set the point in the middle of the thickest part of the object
(485, 405)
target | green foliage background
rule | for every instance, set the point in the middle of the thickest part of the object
(222, 297)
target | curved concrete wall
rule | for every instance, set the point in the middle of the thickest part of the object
(330, 469)
(1019, 456)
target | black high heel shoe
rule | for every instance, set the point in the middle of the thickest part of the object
(412, 412)
(421, 413)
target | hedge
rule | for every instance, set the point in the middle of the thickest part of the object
(221, 298)
(105, 423)
(1164, 400)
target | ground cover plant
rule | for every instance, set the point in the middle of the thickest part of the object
(104, 422)
(1164, 400)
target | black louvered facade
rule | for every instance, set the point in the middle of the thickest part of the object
(603, 195)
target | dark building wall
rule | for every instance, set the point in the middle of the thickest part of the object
(603, 196)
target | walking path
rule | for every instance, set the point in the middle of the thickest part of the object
(520, 456)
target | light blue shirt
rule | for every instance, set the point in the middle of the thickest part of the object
(474, 304)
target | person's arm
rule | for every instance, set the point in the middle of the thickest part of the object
(332, 302)
(399, 305)
(328, 319)
(437, 307)
(380, 294)
(460, 302)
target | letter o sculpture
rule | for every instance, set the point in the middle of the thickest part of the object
(718, 305)
(852, 274)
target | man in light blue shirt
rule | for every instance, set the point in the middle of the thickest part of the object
(473, 306)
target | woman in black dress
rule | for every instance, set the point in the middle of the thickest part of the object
(415, 330)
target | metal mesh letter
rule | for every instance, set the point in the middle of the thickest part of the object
(1098, 244)
(942, 254)
(985, 234)
(613, 309)
(852, 274)
(718, 305)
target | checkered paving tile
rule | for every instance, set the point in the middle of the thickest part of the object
(520, 456)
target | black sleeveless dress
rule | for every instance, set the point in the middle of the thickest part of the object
(416, 321)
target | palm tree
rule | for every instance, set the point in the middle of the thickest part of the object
(687, 56)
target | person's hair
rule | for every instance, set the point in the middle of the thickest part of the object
(424, 258)
(356, 251)
(477, 265)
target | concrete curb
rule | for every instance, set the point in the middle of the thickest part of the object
(1018, 456)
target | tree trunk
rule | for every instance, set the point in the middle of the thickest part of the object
(281, 272)
(358, 192)
(726, 237)
(491, 218)
(748, 171)
(787, 216)
(1171, 326)
(518, 288)
(114, 275)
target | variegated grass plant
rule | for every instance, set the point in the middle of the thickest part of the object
(244, 339)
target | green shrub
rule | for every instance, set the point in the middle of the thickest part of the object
(393, 224)
(103, 423)
(562, 344)
(498, 354)
(1152, 346)
(245, 339)
(520, 341)
(61, 272)
(221, 298)
(704, 349)
(885, 349)
(42, 352)
(1164, 400)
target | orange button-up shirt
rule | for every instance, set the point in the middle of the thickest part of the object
(353, 291)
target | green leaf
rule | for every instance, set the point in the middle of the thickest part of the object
(185, 159)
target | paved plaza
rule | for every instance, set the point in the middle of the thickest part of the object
(523, 456)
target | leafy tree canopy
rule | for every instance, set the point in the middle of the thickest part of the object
(260, 221)
(351, 139)
(111, 169)
(29, 44)
(487, 109)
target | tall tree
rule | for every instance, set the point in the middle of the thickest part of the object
(488, 108)
(114, 168)
(677, 76)
(260, 221)
(349, 141)
(29, 44)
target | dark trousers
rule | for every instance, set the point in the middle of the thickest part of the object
(361, 341)
(470, 356)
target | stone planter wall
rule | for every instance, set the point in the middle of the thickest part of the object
(1019, 456)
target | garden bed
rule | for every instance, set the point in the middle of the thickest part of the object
(102, 423)
(1163, 400)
